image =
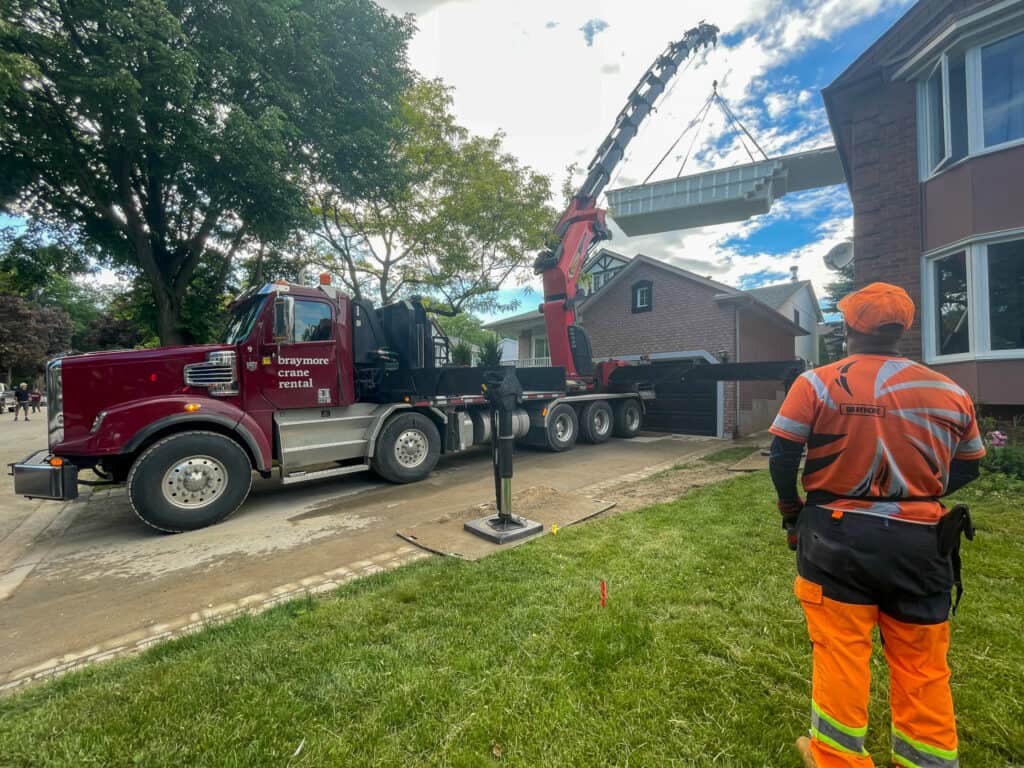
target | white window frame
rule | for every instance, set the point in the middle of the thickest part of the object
(979, 330)
(636, 299)
(924, 127)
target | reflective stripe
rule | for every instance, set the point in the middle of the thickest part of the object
(970, 446)
(820, 388)
(835, 734)
(915, 754)
(792, 426)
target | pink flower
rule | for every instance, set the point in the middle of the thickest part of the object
(997, 439)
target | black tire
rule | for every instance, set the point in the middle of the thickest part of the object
(167, 496)
(596, 422)
(628, 418)
(407, 448)
(562, 429)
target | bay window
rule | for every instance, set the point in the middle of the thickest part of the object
(970, 102)
(974, 301)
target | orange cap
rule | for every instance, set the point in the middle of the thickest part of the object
(878, 304)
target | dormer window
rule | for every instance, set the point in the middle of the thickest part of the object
(643, 296)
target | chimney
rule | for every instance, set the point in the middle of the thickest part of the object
(793, 273)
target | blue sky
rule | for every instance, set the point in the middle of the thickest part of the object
(553, 76)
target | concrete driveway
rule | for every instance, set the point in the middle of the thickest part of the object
(79, 575)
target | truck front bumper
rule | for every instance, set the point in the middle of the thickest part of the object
(37, 478)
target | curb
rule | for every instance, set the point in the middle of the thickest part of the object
(251, 605)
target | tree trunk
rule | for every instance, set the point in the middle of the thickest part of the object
(168, 318)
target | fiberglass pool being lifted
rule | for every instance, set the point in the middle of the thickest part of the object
(717, 197)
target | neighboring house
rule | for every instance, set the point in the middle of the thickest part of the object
(929, 123)
(652, 309)
(509, 349)
(797, 301)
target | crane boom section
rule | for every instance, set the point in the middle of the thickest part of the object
(583, 223)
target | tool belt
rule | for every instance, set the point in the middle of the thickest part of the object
(951, 526)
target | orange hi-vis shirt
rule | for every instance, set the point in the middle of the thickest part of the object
(881, 432)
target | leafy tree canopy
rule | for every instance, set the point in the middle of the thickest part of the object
(171, 134)
(468, 218)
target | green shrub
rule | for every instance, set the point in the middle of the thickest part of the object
(1008, 460)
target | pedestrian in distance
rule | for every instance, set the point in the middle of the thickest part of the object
(886, 439)
(21, 399)
(35, 397)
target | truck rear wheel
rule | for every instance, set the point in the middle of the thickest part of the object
(407, 448)
(562, 428)
(189, 480)
(628, 418)
(596, 422)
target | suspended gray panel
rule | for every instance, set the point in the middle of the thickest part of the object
(717, 197)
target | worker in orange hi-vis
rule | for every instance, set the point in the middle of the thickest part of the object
(886, 438)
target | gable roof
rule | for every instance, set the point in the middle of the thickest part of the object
(777, 295)
(723, 292)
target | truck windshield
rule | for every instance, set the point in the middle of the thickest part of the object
(243, 319)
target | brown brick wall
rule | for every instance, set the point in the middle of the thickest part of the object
(684, 317)
(760, 340)
(886, 193)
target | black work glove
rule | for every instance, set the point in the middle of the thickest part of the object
(790, 511)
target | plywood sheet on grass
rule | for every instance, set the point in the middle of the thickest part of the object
(446, 536)
(752, 463)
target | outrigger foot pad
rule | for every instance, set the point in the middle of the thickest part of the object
(502, 530)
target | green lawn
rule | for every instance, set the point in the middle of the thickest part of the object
(730, 455)
(699, 659)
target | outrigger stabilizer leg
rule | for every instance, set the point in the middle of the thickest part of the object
(503, 391)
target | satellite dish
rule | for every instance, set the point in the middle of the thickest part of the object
(840, 256)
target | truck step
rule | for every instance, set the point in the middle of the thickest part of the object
(304, 477)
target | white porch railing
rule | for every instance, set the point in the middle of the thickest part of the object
(533, 362)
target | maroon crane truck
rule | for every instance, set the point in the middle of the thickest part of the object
(310, 383)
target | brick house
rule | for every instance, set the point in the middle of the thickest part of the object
(929, 123)
(652, 309)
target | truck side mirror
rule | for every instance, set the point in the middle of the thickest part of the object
(284, 319)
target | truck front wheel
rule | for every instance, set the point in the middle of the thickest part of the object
(189, 480)
(562, 429)
(407, 448)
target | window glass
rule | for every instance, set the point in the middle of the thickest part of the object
(643, 297)
(540, 347)
(951, 303)
(312, 321)
(796, 315)
(242, 320)
(1006, 294)
(957, 90)
(936, 121)
(1002, 90)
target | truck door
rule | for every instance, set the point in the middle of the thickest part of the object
(299, 366)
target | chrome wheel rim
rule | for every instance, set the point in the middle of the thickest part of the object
(411, 448)
(602, 423)
(194, 482)
(563, 428)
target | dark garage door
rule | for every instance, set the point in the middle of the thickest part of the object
(687, 408)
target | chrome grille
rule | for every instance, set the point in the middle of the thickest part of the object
(55, 402)
(219, 373)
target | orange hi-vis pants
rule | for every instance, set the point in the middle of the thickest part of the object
(843, 602)
(923, 728)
